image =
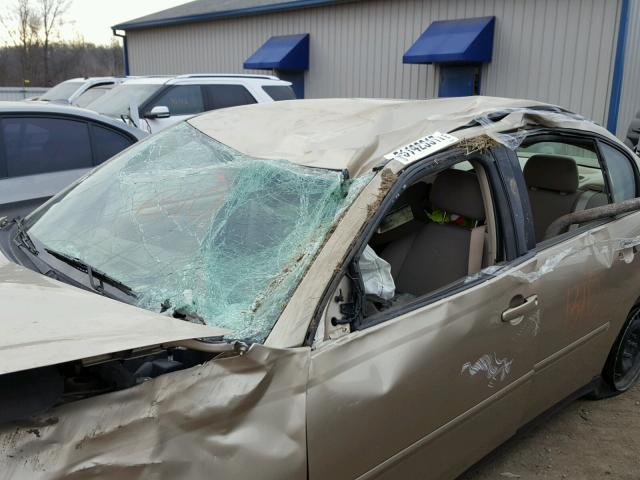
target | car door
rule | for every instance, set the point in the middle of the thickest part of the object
(584, 277)
(40, 156)
(431, 389)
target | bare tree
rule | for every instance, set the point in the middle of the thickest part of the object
(51, 13)
(22, 24)
(35, 51)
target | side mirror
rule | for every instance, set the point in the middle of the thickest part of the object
(159, 111)
(590, 215)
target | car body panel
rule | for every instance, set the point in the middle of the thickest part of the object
(235, 417)
(21, 195)
(39, 185)
(46, 322)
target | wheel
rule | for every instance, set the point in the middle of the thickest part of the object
(622, 369)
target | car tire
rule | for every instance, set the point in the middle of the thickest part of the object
(622, 369)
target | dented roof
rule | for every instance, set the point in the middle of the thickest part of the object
(355, 134)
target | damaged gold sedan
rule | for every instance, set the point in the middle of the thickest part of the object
(320, 289)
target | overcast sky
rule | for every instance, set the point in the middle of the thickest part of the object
(92, 19)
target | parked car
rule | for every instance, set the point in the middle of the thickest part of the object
(163, 101)
(45, 147)
(320, 289)
(70, 91)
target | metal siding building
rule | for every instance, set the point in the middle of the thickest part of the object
(630, 95)
(558, 51)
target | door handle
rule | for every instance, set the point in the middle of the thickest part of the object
(515, 315)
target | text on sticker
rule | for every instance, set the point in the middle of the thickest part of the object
(422, 148)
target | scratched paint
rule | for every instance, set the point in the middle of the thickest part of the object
(606, 252)
(578, 297)
(493, 368)
(530, 325)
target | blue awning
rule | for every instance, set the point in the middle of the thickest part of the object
(287, 52)
(468, 40)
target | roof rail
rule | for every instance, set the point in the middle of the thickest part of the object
(227, 75)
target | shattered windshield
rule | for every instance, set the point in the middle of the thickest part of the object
(191, 225)
(116, 103)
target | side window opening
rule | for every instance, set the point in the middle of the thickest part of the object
(279, 92)
(180, 100)
(622, 175)
(42, 145)
(223, 96)
(562, 176)
(439, 231)
(434, 235)
(107, 143)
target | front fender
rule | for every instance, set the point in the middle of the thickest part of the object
(238, 417)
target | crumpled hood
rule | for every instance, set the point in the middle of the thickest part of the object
(46, 322)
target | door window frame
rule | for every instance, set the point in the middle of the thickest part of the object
(605, 167)
(146, 106)
(4, 168)
(557, 135)
(507, 213)
(206, 96)
(92, 126)
(89, 122)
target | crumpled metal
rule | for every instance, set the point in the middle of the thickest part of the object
(521, 117)
(236, 417)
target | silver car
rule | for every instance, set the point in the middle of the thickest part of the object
(45, 147)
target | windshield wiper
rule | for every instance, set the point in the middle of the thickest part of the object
(23, 237)
(93, 274)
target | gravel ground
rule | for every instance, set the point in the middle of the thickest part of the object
(586, 440)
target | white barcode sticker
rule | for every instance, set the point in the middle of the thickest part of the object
(422, 147)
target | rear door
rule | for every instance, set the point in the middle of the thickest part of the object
(586, 278)
(428, 390)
